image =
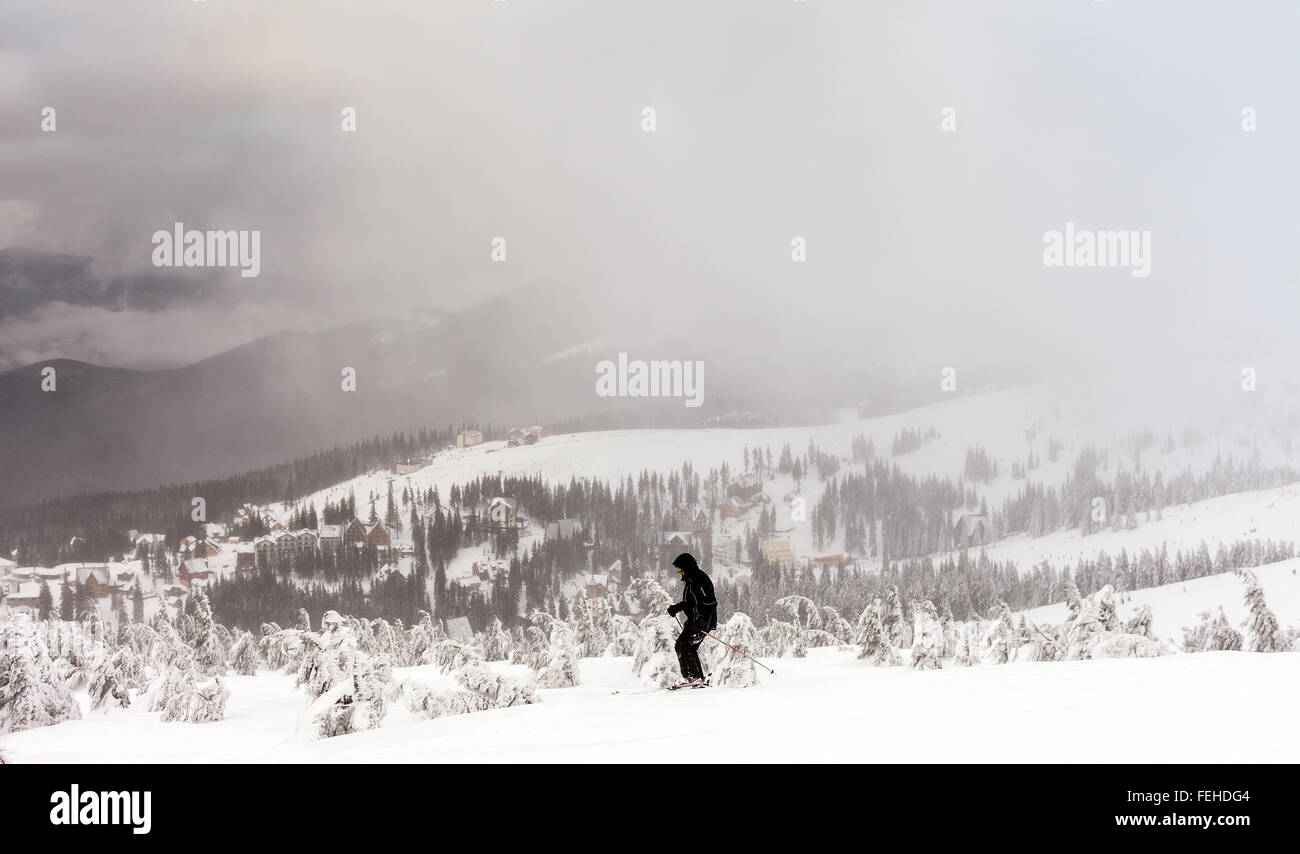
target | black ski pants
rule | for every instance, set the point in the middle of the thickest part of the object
(687, 644)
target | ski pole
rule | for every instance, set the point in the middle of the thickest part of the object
(733, 649)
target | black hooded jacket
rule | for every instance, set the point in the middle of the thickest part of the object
(698, 600)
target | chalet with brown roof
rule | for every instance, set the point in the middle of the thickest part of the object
(354, 533)
(95, 579)
(377, 535)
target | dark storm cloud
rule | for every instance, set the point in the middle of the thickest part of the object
(774, 120)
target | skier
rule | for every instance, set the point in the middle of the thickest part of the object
(701, 608)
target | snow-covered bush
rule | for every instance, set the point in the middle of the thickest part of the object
(503, 691)
(1125, 645)
(451, 655)
(1212, 634)
(1140, 622)
(779, 639)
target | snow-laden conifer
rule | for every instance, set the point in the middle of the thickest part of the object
(834, 623)
(209, 651)
(891, 618)
(876, 648)
(561, 670)
(728, 667)
(1265, 633)
(31, 695)
(927, 634)
(109, 685)
(497, 645)
(345, 685)
(244, 658)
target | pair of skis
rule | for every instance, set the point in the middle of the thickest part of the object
(683, 687)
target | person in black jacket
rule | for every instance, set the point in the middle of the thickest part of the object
(701, 608)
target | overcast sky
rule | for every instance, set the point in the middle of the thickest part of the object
(774, 119)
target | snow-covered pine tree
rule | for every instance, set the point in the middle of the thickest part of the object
(927, 634)
(590, 640)
(625, 636)
(834, 623)
(891, 618)
(111, 681)
(244, 657)
(730, 668)
(876, 648)
(1266, 634)
(1194, 637)
(965, 655)
(345, 685)
(1221, 635)
(1001, 639)
(561, 670)
(31, 695)
(655, 658)
(209, 652)
(602, 618)
(498, 645)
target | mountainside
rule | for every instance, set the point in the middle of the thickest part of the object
(529, 356)
(278, 397)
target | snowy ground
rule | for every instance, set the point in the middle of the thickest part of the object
(828, 707)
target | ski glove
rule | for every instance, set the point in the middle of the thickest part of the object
(673, 609)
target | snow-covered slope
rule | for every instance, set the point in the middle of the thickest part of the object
(826, 708)
(829, 707)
